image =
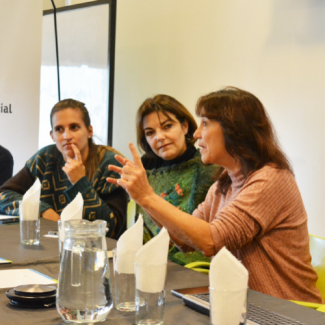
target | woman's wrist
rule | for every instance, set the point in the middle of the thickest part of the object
(146, 201)
(50, 214)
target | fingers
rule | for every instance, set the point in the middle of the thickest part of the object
(123, 183)
(130, 164)
(115, 169)
(128, 177)
(127, 173)
(111, 180)
(70, 161)
(74, 169)
(136, 157)
(70, 164)
(127, 169)
(77, 155)
(123, 161)
(115, 181)
(130, 170)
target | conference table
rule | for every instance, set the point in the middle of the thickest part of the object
(45, 259)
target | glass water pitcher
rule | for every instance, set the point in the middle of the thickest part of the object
(84, 292)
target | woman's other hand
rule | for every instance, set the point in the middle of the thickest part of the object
(74, 168)
(133, 176)
(50, 214)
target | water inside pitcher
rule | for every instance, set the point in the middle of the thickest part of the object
(84, 292)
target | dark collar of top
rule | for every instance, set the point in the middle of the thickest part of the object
(157, 162)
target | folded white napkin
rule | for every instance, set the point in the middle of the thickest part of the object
(151, 262)
(228, 289)
(72, 211)
(30, 202)
(127, 246)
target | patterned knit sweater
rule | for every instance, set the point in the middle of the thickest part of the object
(101, 200)
(185, 186)
(262, 220)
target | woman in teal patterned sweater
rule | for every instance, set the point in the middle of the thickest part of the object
(174, 167)
(74, 164)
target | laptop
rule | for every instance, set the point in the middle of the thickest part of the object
(198, 299)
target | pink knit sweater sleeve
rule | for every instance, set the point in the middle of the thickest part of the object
(199, 211)
(268, 200)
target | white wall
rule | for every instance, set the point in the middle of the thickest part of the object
(20, 60)
(273, 48)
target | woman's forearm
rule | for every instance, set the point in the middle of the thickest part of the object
(185, 229)
(180, 244)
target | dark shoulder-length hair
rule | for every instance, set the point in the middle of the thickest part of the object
(164, 104)
(93, 159)
(248, 132)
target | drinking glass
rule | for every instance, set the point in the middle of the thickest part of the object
(29, 223)
(124, 283)
(150, 304)
(228, 307)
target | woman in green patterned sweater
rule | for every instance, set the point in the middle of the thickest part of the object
(74, 164)
(174, 168)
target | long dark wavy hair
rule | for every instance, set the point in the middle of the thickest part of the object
(164, 104)
(96, 153)
(248, 132)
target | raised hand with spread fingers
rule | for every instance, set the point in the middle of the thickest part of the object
(133, 176)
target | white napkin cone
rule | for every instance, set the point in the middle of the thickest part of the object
(127, 246)
(73, 211)
(30, 202)
(229, 280)
(152, 256)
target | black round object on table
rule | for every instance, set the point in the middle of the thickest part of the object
(32, 296)
(35, 290)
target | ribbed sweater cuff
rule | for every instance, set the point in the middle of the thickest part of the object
(82, 186)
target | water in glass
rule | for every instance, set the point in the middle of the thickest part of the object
(29, 232)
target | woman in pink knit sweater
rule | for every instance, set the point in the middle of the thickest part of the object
(255, 208)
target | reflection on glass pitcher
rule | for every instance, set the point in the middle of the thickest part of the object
(84, 293)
